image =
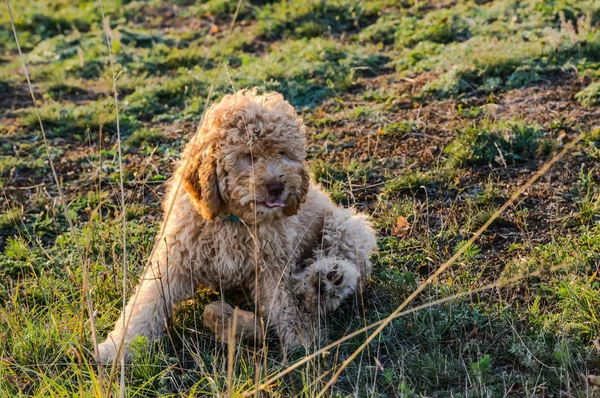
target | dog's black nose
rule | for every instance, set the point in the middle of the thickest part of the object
(275, 189)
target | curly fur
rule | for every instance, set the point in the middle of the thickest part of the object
(311, 254)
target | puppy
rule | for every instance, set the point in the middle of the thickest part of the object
(248, 217)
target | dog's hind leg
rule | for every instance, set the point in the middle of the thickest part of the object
(222, 320)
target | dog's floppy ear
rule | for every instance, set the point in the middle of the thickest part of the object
(200, 180)
(293, 203)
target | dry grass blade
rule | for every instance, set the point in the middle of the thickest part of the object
(120, 156)
(457, 255)
(231, 351)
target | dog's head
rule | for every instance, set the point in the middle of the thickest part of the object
(247, 159)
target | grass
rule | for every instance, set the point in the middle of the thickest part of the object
(498, 143)
(62, 120)
(496, 47)
(425, 115)
(590, 95)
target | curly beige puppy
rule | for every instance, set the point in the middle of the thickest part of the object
(248, 205)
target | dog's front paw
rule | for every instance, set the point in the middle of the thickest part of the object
(323, 291)
(107, 351)
(326, 283)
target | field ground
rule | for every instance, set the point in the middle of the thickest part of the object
(428, 115)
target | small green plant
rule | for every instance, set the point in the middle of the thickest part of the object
(9, 220)
(497, 143)
(406, 391)
(472, 113)
(146, 364)
(16, 248)
(481, 369)
(592, 141)
(400, 128)
(411, 181)
(488, 194)
(470, 253)
(588, 197)
(145, 136)
(589, 96)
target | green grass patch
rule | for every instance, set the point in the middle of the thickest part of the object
(400, 128)
(67, 120)
(13, 164)
(413, 181)
(589, 96)
(498, 143)
(308, 71)
(441, 27)
(311, 18)
(145, 137)
(571, 298)
(497, 46)
(338, 179)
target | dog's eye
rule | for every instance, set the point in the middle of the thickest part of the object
(283, 154)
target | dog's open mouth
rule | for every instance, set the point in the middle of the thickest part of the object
(271, 204)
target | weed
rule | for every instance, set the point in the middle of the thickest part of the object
(499, 143)
(470, 253)
(145, 136)
(71, 121)
(310, 18)
(588, 197)
(589, 96)
(481, 368)
(400, 128)
(9, 220)
(16, 248)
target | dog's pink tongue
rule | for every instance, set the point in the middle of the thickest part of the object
(277, 203)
